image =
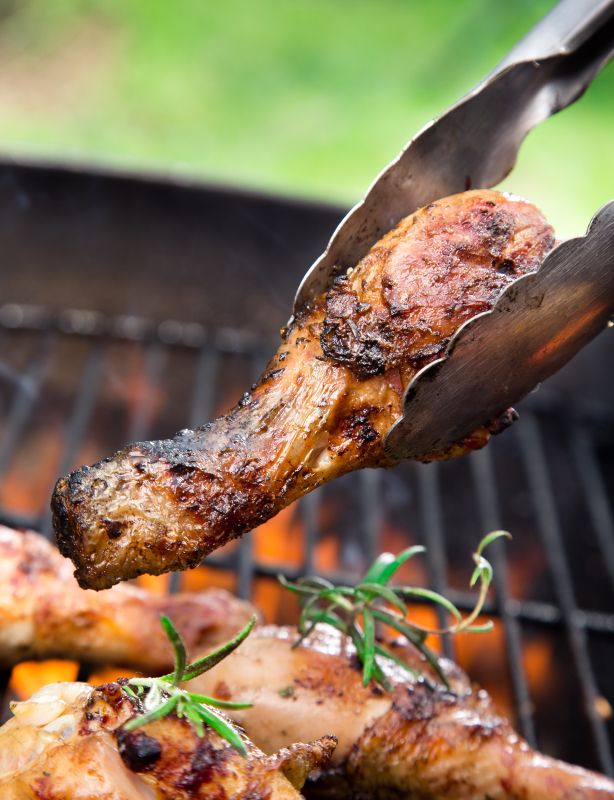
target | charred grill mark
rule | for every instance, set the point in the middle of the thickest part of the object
(497, 226)
(357, 427)
(273, 374)
(506, 266)
(139, 751)
(112, 528)
(361, 351)
(418, 704)
(206, 763)
(352, 337)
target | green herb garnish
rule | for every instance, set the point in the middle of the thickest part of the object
(155, 698)
(356, 610)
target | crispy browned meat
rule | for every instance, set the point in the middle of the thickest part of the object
(321, 409)
(416, 743)
(67, 743)
(45, 614)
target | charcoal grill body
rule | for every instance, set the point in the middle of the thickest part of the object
(133, 305)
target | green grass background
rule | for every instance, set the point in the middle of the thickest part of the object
(311, 97)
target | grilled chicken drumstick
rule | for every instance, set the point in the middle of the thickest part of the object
(67, 743)
(321, 409)
(416, 743)
(45, 614)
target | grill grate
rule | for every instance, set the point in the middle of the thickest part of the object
(61, 373)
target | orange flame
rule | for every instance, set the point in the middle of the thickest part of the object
(29, 676)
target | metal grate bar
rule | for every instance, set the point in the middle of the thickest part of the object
(78, 421)
(432, 525)
(245, 567)
(203, 397)
(27, 394)
(5, 695)
(174, 582)
(308, 507)
(545, 509)
(482, 468)
(370, 512)
(155, 360)
(15, 519)
(596, 495)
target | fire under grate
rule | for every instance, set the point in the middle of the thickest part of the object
(76, 385)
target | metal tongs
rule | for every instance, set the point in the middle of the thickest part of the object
(541, 320)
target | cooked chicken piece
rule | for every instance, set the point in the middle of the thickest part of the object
(45, 614)
(415, 743)
(321, 409)
(67, 743)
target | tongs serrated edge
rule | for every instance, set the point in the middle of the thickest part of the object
(524, 338)
(475, 143)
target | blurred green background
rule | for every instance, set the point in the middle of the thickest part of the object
(311, 97)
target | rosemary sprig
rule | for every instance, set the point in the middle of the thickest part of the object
(355, 610)
(155, 698)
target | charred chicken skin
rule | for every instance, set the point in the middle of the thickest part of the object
(67, 743)
(322, 407)
(45, 614)
(414, 743)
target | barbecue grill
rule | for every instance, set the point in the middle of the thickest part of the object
(133, 306)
